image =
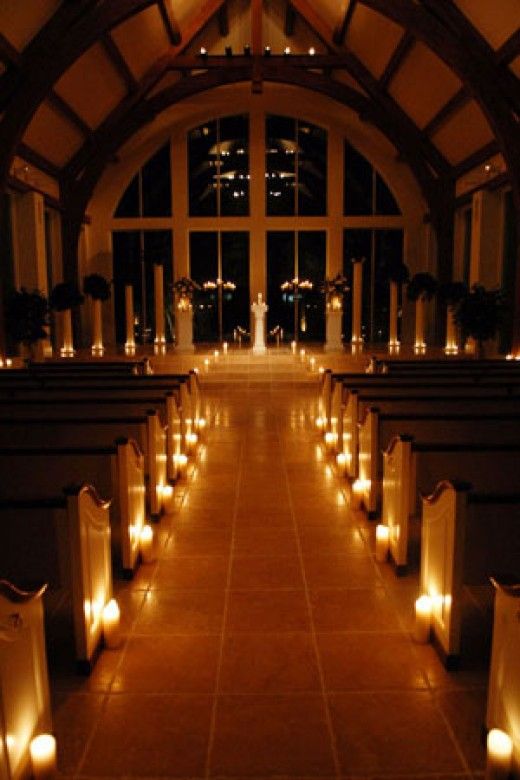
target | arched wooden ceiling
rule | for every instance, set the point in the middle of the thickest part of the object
(439, 79)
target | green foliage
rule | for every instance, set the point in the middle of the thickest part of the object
(479, 314)
(422, 285)
(97, 287)
(27, 314)
(452, 293)
(64, 296)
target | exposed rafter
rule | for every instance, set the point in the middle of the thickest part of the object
(415, 139)
(8, 54)
(509, 50)
(119, 62)
(223, 21)
(341, 30)
(38, 160)
(256, 26)
(476, 158)
(66, 111)
(290, 20)
(170, 22)
(401, 51)
(455, 103)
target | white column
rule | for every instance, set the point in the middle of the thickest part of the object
(486, 252)
(129, 320)
(357, 301)
(184, 329)
(67, 348)
(393, 338)
(334, 318)
(97, 328)
(451, 347)
(160, 340)
(420, 344)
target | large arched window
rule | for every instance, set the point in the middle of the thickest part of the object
(364, 191)
(149, 192)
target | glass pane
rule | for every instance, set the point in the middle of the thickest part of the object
(126, 250)
(156, 184)
(280, 268)
(203, 167)
(356, 243)
(280, 165)
(388, 250)
(234, 166)
(128, 206)
(157, 246)
(385, 201)
(358, 183)
(204, 268)
(312, 248)
(235, 268)
(312, 170)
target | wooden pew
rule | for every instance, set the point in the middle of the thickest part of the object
(65, 542)
(503, 704)
(117, 471)
(466, 537)
(376, 430)
(24, 685)
(411, 468)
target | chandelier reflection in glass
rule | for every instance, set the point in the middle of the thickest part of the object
(219, 285)
(294, 291)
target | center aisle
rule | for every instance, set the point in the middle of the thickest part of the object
(265, 641)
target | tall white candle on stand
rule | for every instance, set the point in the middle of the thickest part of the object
(423, 619)
(43, 757)
(499, 755)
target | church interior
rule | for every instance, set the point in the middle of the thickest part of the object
(259, 389)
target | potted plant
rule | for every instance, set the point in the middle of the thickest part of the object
(64, 296)
(452, 293)
(397, 274)
(27, 316)
(479, 314)
(421, 288)
(98, 289)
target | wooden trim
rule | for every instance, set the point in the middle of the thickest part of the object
(119, 62)
(401, 51)
(440, 487)
(342, 28)
(170, 22)
(476, 158)
(63, 108)
(35, 158)
(16, 595)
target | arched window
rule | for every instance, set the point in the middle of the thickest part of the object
(149, 192)
(364, 191)
(218, 168)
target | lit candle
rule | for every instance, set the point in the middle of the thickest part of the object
(146, 544)
(320, 423)
(216, 354)
(43, 757)
(302, 355)
(423, 617)
(182, 464)
(111, 629)
(330, 439)
(312, 362)
(293, 347)
(382, 538)
(191, 440)
(206, 364)
(225, 347)
(499, 754)
(341, 461)
(9, 362)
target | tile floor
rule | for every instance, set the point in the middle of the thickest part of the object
(265, 641)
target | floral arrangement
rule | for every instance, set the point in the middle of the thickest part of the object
(97, 287)
(335, 287)
(185, 287)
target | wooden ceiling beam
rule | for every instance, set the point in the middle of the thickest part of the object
(170, 22)
(119, 62)
(414, 138)
(38, 160)
(62, 107)
(8, 54)
(401, 52)
(290, 20)
(341, 30)
(256, 26)
(223, 21)
(509, 50)
(459, 99)
(475, 159)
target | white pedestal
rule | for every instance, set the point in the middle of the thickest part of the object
(184, 330)
(333, 334)
(259, 309)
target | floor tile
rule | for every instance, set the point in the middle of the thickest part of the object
(266, 572)
(195, 573)
(272, 610)
(265, 541)
(353, 610)
(181, 612)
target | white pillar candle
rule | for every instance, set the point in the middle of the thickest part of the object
(111, 628)
(43, 757)
(293, 347)
(499, 755)
(302, 355)
(330, 440)
(382, 539)
(182, 464)
(147, 544)
(216, 354)
(423, 617)
(341, 461)
(312, 363)
(206, 364)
